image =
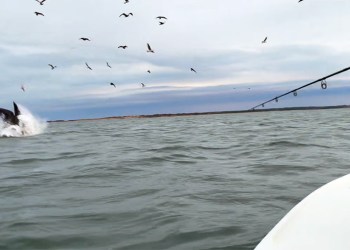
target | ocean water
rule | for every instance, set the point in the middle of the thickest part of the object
(195, 182)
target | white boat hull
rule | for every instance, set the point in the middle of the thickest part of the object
(320, 221)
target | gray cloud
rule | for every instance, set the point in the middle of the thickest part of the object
(221, 41)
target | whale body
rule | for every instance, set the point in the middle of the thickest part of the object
(9, 116)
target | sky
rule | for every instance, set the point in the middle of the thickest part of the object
(221, 40)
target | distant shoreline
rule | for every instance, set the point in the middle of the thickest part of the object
(204, 113)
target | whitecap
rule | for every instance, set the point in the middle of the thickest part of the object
(28, 125)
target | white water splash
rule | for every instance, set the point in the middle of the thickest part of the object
(28, 125)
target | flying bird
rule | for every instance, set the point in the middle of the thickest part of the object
(300, 1)
(264, 41)
(149, 49)
(126, 15)
(108, 65)
(87, 65)
(143, 85)
(126, 1)
(149, 71)
(22, 88)
(112, 84)
(52, 67)
(41, 2)
(161, 23)
(38, 13)
(161, 17)
(84, 39)
(192, 69)
(122, 47)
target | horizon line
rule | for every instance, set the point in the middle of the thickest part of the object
(203, 113)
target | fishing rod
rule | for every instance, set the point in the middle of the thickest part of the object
(294, 91)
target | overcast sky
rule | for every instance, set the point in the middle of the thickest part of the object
(220, 39)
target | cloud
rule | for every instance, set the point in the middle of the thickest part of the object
(221, 41)
(201, 99)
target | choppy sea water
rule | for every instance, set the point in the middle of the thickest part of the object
(196, 182)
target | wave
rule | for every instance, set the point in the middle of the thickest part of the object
(28, 125)
(294, 144)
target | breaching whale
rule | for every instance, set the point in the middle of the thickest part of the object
(10, 117)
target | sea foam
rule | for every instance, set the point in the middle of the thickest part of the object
(28, 125)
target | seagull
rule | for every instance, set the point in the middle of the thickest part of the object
(264, 41)
(38, 13)
(87, 65)
(41, 2)
(193, 70)
(22, 87)
(52, 67)
(126, 15)
(161, 17)
(84, 39)
(149, 71)
(149, 48)
(143, 85)
(122, 47)
(108, 65)
(112, 84)
(161, 23)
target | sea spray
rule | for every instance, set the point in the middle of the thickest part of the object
(28, 125)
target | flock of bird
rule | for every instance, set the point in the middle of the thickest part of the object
(161, 19)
